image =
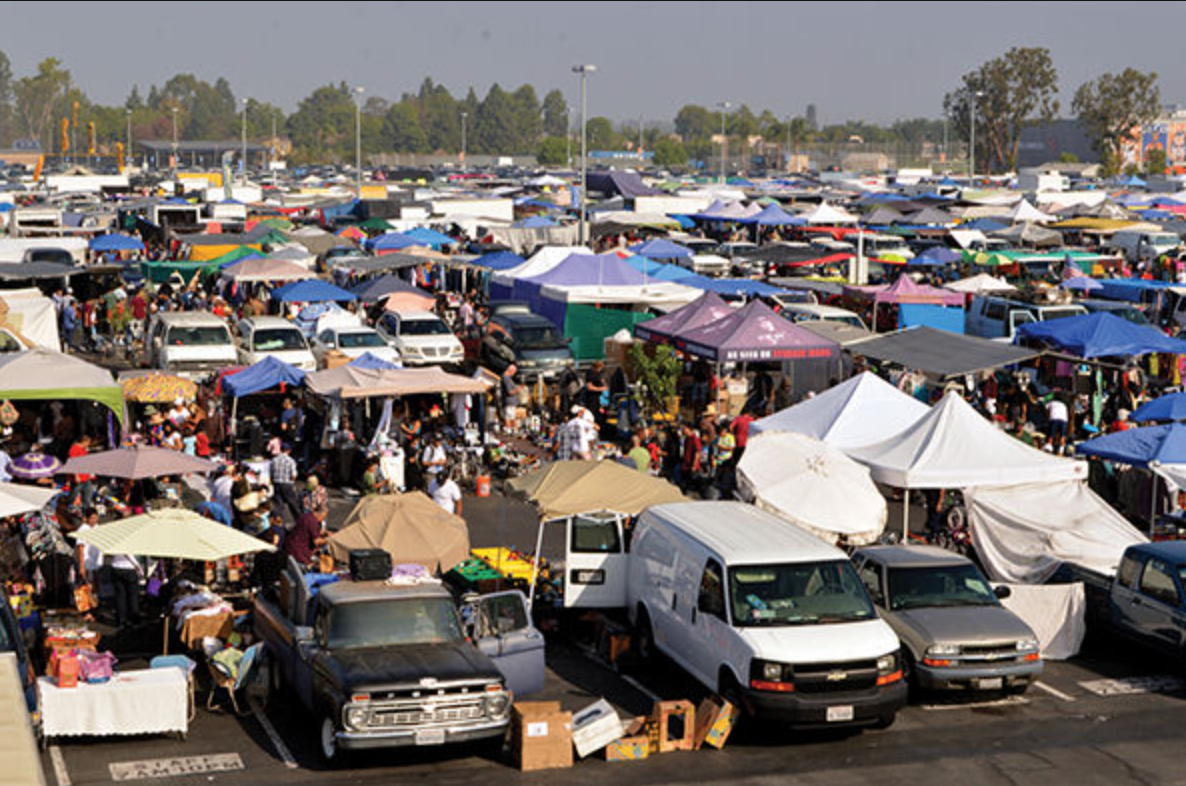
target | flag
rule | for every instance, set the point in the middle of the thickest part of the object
(90, 138)
(65, 134)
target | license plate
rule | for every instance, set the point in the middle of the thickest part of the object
(840, 714)
(430, 737)
(992, 683)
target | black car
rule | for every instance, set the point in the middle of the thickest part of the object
(528, 340)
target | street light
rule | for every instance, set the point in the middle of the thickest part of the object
(174, 108)
(568, 137)
(724, 106)
(358, 137)
(244, 102)
(464, 115)
(976, 96)
(128, 157)
(584, 71)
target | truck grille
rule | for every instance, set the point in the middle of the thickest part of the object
(424, 711)
(837, 677)
(1003, 652)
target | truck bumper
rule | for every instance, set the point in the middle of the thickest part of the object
(868, 708)
(363, 740)
(1013, 676)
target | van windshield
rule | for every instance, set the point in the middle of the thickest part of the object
(808, 593)
(198, 336)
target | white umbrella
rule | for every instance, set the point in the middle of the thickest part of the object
(171, 534)
(16, 499)
(813, 485)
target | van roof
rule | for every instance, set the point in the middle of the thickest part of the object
(742, 534)
(818, 309)
(190, 318)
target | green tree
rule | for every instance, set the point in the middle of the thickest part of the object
(694, 123)
(1156, 162)
(658, 371)
(602, 135)
(1115, 105)
(552, 151)
(494, 125)
(742, 123)
(36, 97)
(262, 117)
(1007, 94)
(6, 116)
(528, 123)
(555, 114)
(669, 153)
(402, 131)
(322, 128)
(440, 116)
(134, 101)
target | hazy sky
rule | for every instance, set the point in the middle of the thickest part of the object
(853, 60)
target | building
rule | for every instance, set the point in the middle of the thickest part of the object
(156, 153)
(1167, 133)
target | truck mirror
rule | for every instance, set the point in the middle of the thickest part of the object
(1001, 591)
(303, 633)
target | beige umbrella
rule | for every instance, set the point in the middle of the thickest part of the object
(410, 527)
(171, 534)
(567, 488)
(16, 499)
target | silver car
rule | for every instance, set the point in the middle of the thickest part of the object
(955, 633)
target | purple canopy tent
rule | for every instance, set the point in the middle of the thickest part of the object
(754, 333)
(905, 290)
(704, 310)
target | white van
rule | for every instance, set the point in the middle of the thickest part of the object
(999, 317)
(763, 613)
(189, 343)
(261, 337)
(1137, 245)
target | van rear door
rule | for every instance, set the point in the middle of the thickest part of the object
(595, 561)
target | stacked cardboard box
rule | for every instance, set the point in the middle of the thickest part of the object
(541, 735)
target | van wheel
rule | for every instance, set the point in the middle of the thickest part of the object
(644, 638)
(327, 743)
(729, 690)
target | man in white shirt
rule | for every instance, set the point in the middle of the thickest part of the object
(445, 492)
(434, 457)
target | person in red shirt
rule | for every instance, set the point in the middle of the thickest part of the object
(84, 484)
(690, 464)
(740, 428)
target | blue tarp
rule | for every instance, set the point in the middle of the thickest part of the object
(938, 317)
(984, 225)
(115, 243)
(429, 237)
(937, 255)
(661, 248)
(267, 374)
(738, 287)
(1139, 447)
(628, 184)
(500, 260)
(373, 363)
(535, 222)
(1100, 335)
(311, 290)
(1171, 406)
(391, 241)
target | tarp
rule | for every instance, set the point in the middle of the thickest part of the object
(980, 284)
(375, 289)
(115, 242)
(953, 446)
(392, 241)
(812, 485)
(266, 270)
(43, 375)
(410, 527)
(828, 214)
(905, 290)
(941, 353)
(661, 248)
(705, 309)
(267, 374)
(311, 291)
(1171, 406)
(430, 237)
(171, 534)
(499, 260)
(1023, 532)
(628, 184)
(1140, 447)
(773, 216)
(754, 333)
(34, 317)
(372, 361)
(318, 241)
(860, 411)
(1100, 335)
(353, 382)
(568, 488)
(1056, 613)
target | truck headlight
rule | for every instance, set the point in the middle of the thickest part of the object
(887, 664)
(356, 716)
(943, 650)
(1027, 645)
(497, 704)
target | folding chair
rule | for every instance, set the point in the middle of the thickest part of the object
(222, 678)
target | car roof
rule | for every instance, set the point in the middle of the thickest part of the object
(914, 556)
(518, 319)
(818, 308)
(1168, 550)
(416, 315)
(742, 534)
(269, 322)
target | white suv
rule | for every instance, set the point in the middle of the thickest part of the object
(420, 337)
(261, 337)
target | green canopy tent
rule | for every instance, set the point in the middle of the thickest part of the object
(43, 375)
(159, 272)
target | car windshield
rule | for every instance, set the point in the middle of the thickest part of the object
(544, 336)
(1058, 313)
(946, 585)
(423, 327)
(198, 336)
(360, 340)
(798, 594)
(278, 340)
(380, 623)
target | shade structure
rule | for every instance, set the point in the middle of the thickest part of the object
(813, 485)
(953, 446)
(266, 374)
(16, 498)
(859, 411)
(1100, 335)
(34, 465)
(705, 309)
(351, 381)
(43, 375)
(905, 290)
(392, 241)
(940, 352)
(773, 216)
(171, 534)
(266, 270)
(1171, 406)
(311, 290)
(940, 255)
(980, 284)
(158, 388)
(115, 242)
(661, 248)
(1140, 447)
(136, 462)
(754, 333)
(569, 488)
(410, 527)
(375, 289)
(1081, 284)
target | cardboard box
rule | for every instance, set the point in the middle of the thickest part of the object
(541, 736)
(594, 727)
(334, 359)
(715, 719)
(628, 749)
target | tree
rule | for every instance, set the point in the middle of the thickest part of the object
(36, 97)
(657, 371)
(1007, 94)
(1155, 161)
(134, 101)
(402, 131)
(527, 121)
(695, 123)
(6, 130)
(669, 153)
(494, 126)
(440, 117)
(555, 114)
(602, 135)
(1114, 106)
(323, 126)
(553, 151)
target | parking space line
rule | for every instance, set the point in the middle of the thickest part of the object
(638, 686)
(270, 730)
(1009, 701)
(61, 774)
(1055, 692)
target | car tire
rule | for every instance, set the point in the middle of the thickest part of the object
(644, 638)
(327, 744)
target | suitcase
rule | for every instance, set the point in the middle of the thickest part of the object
(370, 565)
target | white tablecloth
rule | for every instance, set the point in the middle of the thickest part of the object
(149, 701)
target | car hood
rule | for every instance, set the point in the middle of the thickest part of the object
(833, 642)
(440, 341)
(376, 667)
(538, 354)
(959, 625)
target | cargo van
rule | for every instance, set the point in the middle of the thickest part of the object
(998, 317)
(760, 611)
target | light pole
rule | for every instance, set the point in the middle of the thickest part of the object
(174, 140)
(789, 143)
(128, 155)
(358, 137)
(584, 71)
(568, 136)
(976, 96)
(244, 102)
(724, 106)
(464, 115)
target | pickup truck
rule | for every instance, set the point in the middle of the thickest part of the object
(389, 666)
(1146, 601)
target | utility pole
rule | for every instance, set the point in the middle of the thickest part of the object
(584, 71)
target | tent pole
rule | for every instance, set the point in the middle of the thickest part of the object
(1152, 504)
(539, 546)
(906, 516)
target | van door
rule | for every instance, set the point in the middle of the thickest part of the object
(1017, 317)
(708, 626)
(595, 561)
(503, 631)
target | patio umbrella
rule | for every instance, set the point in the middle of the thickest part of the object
(136, 463)
(158, 389)
(410, 527)
(16, 499)
(1171, 406)
(171, 534)
(34, 465)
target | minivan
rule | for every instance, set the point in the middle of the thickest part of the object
(189, 343)
(767, 615)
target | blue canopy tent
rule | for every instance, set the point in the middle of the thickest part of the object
(373, 363)
(684, 221)
(1140, 447)
(499, 260)
(390, 241)
(774, 216)
(1171, 406)
(429, 237)
(311, 290)
(115, 242)
(984, 225)
(661, 248)
(267, 374)
(936, 255)
(1100, 335)
(375, 289)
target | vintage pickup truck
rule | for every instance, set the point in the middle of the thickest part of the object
(1146, 601)
(386, 666)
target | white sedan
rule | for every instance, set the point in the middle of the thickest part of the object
(352, 341)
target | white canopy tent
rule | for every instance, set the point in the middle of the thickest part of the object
(812, 485)
(540, 262)
(980, 284)
(1023, 211)
(860, 411)
(828, 214)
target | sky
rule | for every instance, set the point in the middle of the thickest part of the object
(873, 61)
